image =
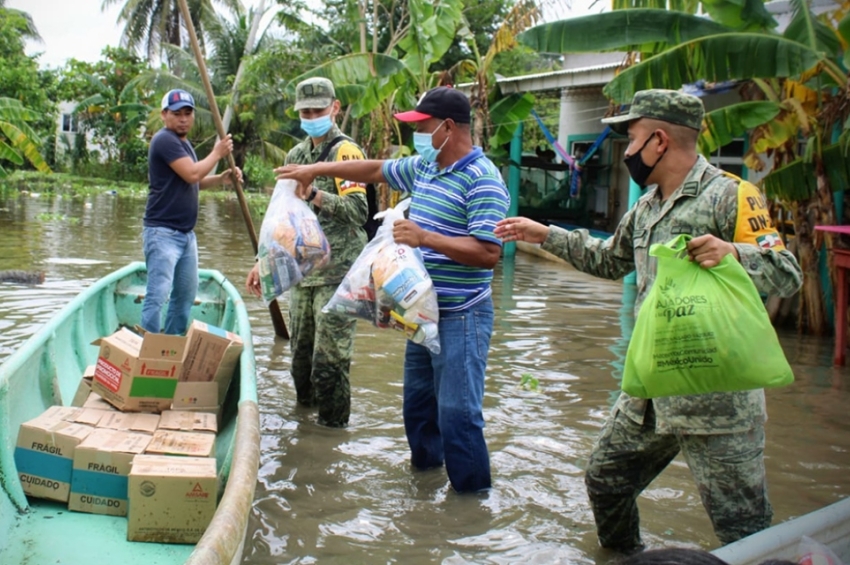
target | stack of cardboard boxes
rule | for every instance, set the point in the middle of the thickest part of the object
(140, 441)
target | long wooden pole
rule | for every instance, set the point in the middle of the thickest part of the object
(274, 308)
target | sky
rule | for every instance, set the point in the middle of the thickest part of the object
(75, 29)
(79, 29)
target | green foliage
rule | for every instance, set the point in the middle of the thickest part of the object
(726, 124)
(529, 382)
(18, 141)
(111, 109)
(69, 185)
(715, 58)
(56, 217)
(31, 89)
(641, 30)
(507, 114)
(807, 30)
(259, 174)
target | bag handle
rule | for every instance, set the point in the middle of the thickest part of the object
(676, 248)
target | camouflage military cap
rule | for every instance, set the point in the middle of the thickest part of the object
(316, 92)
(665, 105)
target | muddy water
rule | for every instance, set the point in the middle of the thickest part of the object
(349, 496)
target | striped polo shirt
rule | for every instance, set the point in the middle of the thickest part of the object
(465, 199)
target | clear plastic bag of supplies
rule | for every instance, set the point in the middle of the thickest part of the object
(291, 245)
(389, 286)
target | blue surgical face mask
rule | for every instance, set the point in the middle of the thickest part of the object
(317, 127)
(422, 142)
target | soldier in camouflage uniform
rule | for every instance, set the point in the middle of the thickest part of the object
(322, 344)
(721, 435)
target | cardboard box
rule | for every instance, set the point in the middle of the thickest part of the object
(188, 444)
(102, 463)
(130, 422)
(94, 400)
(139, 374)
(210, 361)
(84, 388)
(186, 421)
(172, 499)
(44, 453)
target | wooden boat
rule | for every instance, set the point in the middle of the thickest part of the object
(46, 371)
(829, 525)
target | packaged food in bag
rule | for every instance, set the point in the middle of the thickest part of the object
(291, 243)
(389, 286)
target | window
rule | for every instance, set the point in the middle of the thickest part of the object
(68, 123)
(730, 158)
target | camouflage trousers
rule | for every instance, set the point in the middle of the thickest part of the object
(322, 346)
(728, 470)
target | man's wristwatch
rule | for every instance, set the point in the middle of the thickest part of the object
(313, 194)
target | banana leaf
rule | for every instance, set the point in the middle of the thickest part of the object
(726, 124)
(741, 15)
(507, 114)
(796, 181)
(24, 143)
(641, 30)
(806, 29)
(715, 58)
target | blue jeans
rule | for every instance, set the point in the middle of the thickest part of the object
(443, 398)
(172, 261)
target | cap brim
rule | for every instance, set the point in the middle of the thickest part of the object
(313, 103)
(620, 124)
(412, 116)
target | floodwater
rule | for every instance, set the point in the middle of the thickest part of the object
(348, 496)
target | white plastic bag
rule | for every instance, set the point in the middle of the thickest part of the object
(811, 552)
(389, 286)
(291, 244)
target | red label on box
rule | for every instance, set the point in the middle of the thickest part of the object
(107, 374)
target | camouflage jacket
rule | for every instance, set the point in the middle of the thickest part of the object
(343, 210)
(709, 201)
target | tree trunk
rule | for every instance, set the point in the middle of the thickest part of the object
(811, 314)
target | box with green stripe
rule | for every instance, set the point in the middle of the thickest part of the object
(139, 373)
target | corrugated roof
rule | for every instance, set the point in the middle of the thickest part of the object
(551, 74)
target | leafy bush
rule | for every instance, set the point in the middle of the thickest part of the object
(258, 174)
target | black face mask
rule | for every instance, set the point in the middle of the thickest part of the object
(638, 170)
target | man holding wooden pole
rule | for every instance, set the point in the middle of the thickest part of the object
(171, 250)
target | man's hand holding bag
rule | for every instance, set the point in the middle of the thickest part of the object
(701, 330)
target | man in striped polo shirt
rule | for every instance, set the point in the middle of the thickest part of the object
(458, 196)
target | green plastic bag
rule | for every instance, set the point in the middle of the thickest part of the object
(701, 330)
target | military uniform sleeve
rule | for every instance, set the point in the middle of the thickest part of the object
(746, 223)
(349, 203)
(610, 258)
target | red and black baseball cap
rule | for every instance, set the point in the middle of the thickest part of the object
(443, 102)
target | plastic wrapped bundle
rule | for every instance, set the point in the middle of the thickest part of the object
(291, 244)
(389, 286)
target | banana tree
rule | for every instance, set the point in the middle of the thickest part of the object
(18, 141)
(678, 48)
(521, 16)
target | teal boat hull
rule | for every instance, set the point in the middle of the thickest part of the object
(46, 371)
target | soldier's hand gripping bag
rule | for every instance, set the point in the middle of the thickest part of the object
(291, 243)
(701, 330)
(389, 286)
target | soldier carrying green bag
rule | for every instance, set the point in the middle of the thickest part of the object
(721, 434)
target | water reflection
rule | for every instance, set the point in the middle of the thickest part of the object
(349, 496)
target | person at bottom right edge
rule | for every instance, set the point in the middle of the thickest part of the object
(721, 435)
